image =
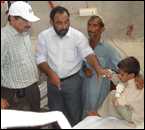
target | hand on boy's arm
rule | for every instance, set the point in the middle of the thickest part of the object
(93, 113)
(139, 80)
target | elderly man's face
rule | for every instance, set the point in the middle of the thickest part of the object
(94, 28)
(20, 24)
(61, 24)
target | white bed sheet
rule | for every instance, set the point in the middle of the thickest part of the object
(94, 122)
(14, 118)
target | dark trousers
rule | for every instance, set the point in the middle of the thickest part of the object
(23, 99)
(68, 99)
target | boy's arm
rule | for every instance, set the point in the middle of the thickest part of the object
(121, 100)
(125, 112)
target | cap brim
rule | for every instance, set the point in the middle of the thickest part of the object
(32, 18)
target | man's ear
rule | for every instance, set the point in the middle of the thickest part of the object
(51, 22)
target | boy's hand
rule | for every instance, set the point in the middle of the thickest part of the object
(115, 102)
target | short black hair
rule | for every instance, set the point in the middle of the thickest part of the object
(58, 9)
(129, 65)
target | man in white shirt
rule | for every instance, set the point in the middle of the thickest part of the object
(61, 50)
(19, 73)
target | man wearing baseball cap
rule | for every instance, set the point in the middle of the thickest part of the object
(23, 10)
(18, 68)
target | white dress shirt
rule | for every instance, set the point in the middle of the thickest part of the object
(63, 55)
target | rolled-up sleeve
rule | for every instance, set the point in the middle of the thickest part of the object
(41, 50)
(84, 47)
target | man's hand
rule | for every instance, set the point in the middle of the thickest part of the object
(139, 80)
(105, 73)
(4, 104)
(52, 76)
(54, 79)
(93, 113)
(88, 72)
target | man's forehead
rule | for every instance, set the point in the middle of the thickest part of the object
(95, 20)
(60, 14)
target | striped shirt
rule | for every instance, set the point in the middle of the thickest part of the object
(18, 67)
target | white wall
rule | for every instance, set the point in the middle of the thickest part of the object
(117, 15)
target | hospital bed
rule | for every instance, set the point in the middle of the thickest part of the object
(18, 119)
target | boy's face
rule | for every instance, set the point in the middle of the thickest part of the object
(124, 76)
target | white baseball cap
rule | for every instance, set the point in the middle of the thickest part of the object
(23, 10)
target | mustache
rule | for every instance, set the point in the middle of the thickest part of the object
(63, 30)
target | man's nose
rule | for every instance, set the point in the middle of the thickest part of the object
(63, 26)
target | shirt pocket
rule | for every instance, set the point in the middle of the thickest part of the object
(70, 55)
